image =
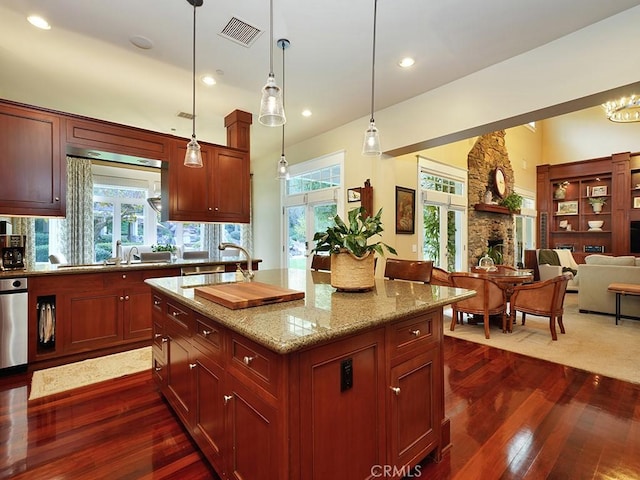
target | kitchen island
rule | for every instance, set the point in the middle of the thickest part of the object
(336, 385)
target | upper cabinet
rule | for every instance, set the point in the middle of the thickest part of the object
(217, 192)
(31, 161)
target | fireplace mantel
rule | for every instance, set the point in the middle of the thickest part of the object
(489, 207)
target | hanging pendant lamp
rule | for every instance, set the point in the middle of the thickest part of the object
(193, 157)
(271, 107)
(283, 165)
(371, 145)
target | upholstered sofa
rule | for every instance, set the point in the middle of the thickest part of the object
(597, 273)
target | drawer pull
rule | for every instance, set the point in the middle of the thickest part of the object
(158, 369)
(126, 297)
(395, 390)
(206, 333)
(157, 302)
(227, 398)
(176, 314)
(157, 335)
(192, 366)
(165, 339)
(247, 360)
(415, 333)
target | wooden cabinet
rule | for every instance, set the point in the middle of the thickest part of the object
(95, 312)
(32, 162)
(567, 200)
(218, 192)
(333, 410)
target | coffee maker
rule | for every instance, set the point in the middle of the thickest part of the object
(12, 250)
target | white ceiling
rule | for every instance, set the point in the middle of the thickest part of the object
(86, 65)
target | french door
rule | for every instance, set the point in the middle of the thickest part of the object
(443, 236)
(301, 223)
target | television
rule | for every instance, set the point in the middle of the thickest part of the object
(634, 233)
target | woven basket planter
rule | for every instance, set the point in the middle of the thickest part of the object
(352, 274)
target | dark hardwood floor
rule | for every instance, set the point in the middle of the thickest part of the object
(512, 417)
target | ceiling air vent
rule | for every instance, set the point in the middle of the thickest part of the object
(186, 115)
(240, 32)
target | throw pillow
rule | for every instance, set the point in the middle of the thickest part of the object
(624, 260)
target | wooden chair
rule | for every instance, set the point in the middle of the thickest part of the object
(440, 277)
(490, 299)
(505, 268)
(321, 263)
(544, 299)
(413, 270)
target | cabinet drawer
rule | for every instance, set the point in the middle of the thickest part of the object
(413, 333)
(255, 362)
(122, 279)
(208, 336)
(180, 319)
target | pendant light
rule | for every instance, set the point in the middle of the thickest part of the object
(271, 107)
(283, 165)
(371, 145)
(193, 157)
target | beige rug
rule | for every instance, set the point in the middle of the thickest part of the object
(592, 342)
(74, 375)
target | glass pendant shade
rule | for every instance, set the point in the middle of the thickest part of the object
(271, 107)
(283, 169)
(193, 157)
(155, 203)
(371, 145)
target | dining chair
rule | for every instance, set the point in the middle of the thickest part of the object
(321, 263)
(544, 299)
(501, 268)
(440, 276)
(195, 255)
(490, 299)
(412, 270)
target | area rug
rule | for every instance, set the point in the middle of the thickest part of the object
(79, 374)
(592, 342)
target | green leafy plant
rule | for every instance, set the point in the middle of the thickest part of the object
(597, 200)
(495, 253)
(352, 236)
(163, 248)
(513, 202)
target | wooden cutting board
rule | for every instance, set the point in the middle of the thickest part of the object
(247, 294)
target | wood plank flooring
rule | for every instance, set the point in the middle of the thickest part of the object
(512, 417)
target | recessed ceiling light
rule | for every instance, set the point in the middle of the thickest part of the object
(406, 62)
(141, 42)
(38, 21)
(208, 80)
(306, 113)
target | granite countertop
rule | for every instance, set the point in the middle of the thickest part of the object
(324, 314)
(49, 269)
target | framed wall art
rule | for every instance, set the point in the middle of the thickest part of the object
(636, 202)
(599, 191)
(405, 210)
(568, 208)
(353, 195)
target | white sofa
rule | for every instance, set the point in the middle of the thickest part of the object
(595, 276)
(547, 271)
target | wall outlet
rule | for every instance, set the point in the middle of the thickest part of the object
(414, 248)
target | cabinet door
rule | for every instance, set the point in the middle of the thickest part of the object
(180, 367)
(414, 426)
(209, 424)
(232, 189)
(188, 187)
(137, 312)
(252, 435)
(92, 320)
(31, 156)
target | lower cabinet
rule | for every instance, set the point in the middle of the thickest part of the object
(353, 408)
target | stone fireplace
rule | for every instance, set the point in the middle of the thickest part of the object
(490, 226)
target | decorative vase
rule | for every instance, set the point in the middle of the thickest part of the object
(597, 207)
(488, 196)
(560, 192)
(352, 274)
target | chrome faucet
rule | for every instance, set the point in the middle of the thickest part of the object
(248, 273)
(130, 254)
(117, 260)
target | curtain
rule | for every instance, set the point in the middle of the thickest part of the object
(77, 230)
(212, 238)
(26, 226)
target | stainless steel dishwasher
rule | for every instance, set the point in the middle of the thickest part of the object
(13, 323)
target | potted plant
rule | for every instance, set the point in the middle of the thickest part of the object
(352, 251)
(513, 202)
(597, 203)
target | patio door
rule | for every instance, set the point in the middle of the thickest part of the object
(301, 223)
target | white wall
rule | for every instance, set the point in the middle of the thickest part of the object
(595, 59)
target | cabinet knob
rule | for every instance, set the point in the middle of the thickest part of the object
(248, 360)
(121, 298)
(156, 302)
(165, 339)
(227, 398)
(395, 390)
(206, 333)
(124, 275)
(415, 333)
(126, 297)
(210, 208)
(192, 366)
(158, 369)
(176, 314)
(216, 209)
(157, 335)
